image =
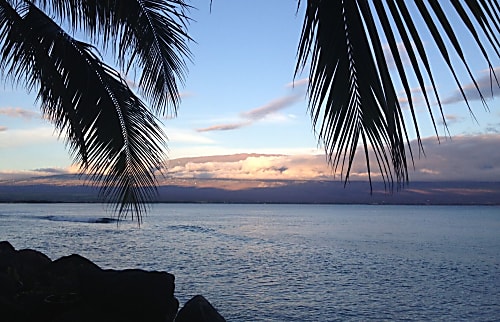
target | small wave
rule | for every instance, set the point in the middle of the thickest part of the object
(215, 233)
(99, 220)
(192, 228)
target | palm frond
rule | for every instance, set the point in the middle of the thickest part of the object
(110, 132)
(149, 35)
(351, 92)
(156, 42)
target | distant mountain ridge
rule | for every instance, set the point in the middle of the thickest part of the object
(265, 191)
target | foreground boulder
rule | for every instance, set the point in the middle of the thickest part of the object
(198, 309)
(131, 295)
(72, 288)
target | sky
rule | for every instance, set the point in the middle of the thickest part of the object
(241, 96)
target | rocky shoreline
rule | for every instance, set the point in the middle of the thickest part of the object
(73, 288)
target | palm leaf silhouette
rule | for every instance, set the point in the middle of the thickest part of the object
(149, 35)
(110, 132)
(352, 96)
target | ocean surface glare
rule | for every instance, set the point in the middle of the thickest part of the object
(291, 262)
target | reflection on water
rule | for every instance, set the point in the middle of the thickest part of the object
(292, 262)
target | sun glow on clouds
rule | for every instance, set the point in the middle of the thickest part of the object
(443, 161)
(464, 158)
(247, 166)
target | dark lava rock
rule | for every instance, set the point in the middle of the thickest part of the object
(6, 247)
(23, 266)
(131, 295)
(20, 293)
(65, 274)
(198, 309)
(73, 289)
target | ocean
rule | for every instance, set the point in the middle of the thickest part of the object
(264, 262)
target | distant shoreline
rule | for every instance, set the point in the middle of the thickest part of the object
(252, 203)
(276, 192)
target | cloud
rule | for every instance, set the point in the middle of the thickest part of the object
(214, 149)
(224, 127)
(271, 107)
(463, 158)
(474, 158)
(298, 83)
(52, 170)
(493, 128)
(251, 167)
(18, 112)
(3, 128)
(256, 114)
(486, 83)
(41, 175)
(450, 119)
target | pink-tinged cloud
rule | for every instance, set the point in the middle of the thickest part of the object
(450, 119)
(251, 167)
(486, 83)
(473, 158)
(464, 158)
(224, 127)
(3, 128)
(18, 112)
(256, 114)
(271, 107)
(298, 83)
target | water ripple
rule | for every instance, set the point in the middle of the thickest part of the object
(293, 263)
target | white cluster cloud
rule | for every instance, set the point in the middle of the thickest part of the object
(464, 158)
(249, 166)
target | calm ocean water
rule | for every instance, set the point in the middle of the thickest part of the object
(292, 262)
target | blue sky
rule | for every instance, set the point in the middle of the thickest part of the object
(238, 96)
